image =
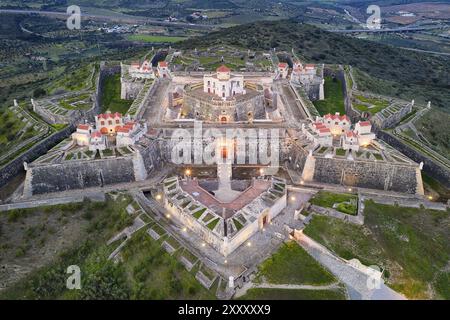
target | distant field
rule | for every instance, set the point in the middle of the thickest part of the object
(155, 39)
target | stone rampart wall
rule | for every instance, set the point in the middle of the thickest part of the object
(372, 175)
(72, 175)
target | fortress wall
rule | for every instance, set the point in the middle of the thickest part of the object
(431, 167)
(151, 156)
(14, 167)
(72, 175)
(372, 175)
(295, 159)
(190, 222)
(255, 106)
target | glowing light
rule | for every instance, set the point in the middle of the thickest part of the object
(167, 215)
(249, 244)
(302, 182)
(430, 197)
(261, 171)
(184, 229)
(158, 197)
(225, 261)
(350, 189)
(188, 172)
(203, 244)
(293, 198)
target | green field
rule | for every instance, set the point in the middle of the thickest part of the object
(334, 98)
(292, 294)
(346, 203)
(155, 39)
(111, 95)
(291, 264)
(410, 244)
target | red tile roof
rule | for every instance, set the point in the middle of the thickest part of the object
(83, 126)
(310, 66)
(324, 130)
(350, 134)
(162, 64)
(109, 115)
(123, 129)
(96, 134)
(365, 123)
(336, 116)
(223, 68)
(282, 65)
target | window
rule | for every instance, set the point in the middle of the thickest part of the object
(223, 87)
(110, 122)
(336, 123)
(223, 94)
(209, 83)
(102, 123)
(117, 121)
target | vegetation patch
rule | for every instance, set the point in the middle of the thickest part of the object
(342, 202)
(291, 264)
(410, 244)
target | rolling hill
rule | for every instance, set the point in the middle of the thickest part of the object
(392, 71)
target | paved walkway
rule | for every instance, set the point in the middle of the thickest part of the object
(250, 285)
(355, 280)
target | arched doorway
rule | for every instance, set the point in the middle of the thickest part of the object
(223, 119)
(224, 152)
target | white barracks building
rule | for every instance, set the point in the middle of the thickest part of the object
(223, 84)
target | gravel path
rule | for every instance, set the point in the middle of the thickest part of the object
(355, 280)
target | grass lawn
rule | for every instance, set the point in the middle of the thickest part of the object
(111, 95)
(377, 104)
(328, 199)
(411, 244)
(340, 152)
(334, 98)
(292, 294)
(154, 274)
(291, 264)
(155, 39)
